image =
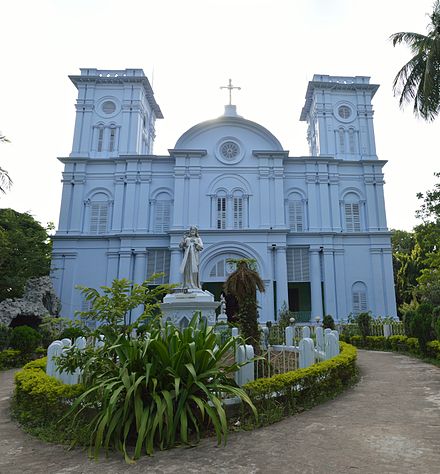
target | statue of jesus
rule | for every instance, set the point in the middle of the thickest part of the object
(193, 245)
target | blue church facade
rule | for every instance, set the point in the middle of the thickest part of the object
(315, 225)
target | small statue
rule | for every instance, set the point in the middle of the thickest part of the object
(193, 245)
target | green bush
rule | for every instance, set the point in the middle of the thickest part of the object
(10, 358)
(72, 333)
(407, 322)
(421, 325)
(5, 334)
(40, 399)
(364, 321)
(25, 339)
(433, 349)
(328, 322)
(303, 388)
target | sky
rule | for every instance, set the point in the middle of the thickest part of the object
(188, 49)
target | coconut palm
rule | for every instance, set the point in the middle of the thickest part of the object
(5, 180)
(243, 284)
(419, 78)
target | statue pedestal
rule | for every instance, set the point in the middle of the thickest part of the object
(179, 307)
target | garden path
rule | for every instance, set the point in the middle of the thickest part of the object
(388, 423)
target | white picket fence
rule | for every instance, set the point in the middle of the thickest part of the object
(278, 358)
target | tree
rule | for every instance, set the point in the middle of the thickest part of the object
(243, 284)
(25, 251)
(419, 78)
(5, 180)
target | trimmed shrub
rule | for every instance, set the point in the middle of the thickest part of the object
(303, 388)
(39, 398)
(433, 349)
(25, 339)
(407, 322)
(10, 358)
(328, 322)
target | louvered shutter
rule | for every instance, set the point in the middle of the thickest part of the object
(221, 213)
(158, 261)
(298, 266)
(238, 213)
(352, 217)
(98, 217)
(162, 217)
(359, 302)
(296, 216)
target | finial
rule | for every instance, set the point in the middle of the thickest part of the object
(230, 87)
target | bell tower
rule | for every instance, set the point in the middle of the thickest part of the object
(339, 114)
(115, 113)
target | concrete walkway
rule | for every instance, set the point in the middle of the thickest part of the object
(388, 423)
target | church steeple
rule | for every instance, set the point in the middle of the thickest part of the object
(115, 113)
(339, 113)
(230, 109)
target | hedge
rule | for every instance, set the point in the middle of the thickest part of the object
(295, 391)
(39, 398)
(395, 343)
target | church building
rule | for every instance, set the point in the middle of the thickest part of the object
(315, 225)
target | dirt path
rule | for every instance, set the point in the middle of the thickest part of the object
(388, 423)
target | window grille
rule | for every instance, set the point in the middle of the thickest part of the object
(100, 138)
(111, 145)
(359, 298)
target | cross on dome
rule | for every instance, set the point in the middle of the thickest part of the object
(230, 87)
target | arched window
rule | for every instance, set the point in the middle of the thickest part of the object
(100, 137)
(359, 297)
(221, 210)
(295, 212)
(237, 205)
(352, 213)
(162, 213)
(341, 134)
(99, 213)
(112, 139)
(158, 261)
(351, 141)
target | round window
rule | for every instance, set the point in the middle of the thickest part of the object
(108, 107)
(344, 112)
(229, 150)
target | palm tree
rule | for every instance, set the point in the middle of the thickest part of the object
(419, 78)
(5, 180)
(243, 284)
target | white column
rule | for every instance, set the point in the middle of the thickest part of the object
(179, 193)
(175, 262)
(66, 199)
(124, 264)
(129, 204)
(343, 297)
(118, 201)
(281, 277)
(390, 294)
(77, 204)
(112, 267)
(144, 205)
(68, 286)
(312, 195)
(194, 195)
(371, 224)
(334, 203)
(380, 205)
(315, 284)
(376, 301)
(329, 284)
(279, 197)
(264, 196)
(140, 271)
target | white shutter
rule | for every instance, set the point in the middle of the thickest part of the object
(352, 217)
(221, 213)
(298, 266)
(296, 221)
(98, 217)
(238, 213)
(162, 216)
(359, 302)
(158, 261)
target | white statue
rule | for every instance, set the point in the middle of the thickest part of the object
(193, 245)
